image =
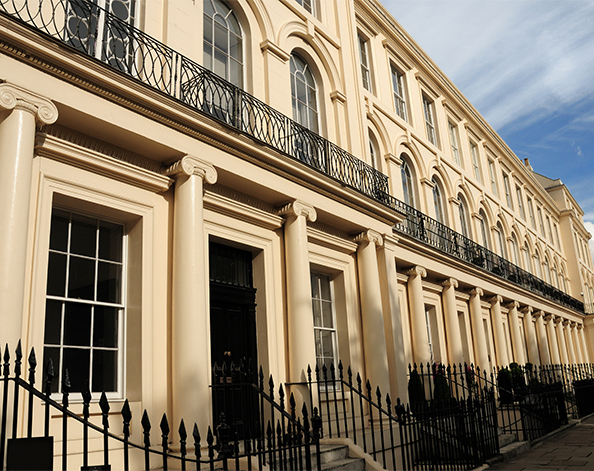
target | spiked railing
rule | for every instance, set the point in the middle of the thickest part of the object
(286, 444)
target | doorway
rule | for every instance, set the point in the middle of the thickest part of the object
(233, 338)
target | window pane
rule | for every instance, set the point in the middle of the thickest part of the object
(56, 274)
(207, 25)
(59, 231)
(105, 327)
(76, 360)
(77, 324)
(317, 313)
(327, 344)
(221, 37)
(207, 56)
(84, 235)
(81, 278)
(235, 47)
(53, 322)
(325, 284)
(327, 315)
(110, 241)
(104, 370)
(109, 282)
(220, 64)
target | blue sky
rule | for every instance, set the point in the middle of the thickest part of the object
(528, 67)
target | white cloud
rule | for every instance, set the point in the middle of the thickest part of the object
(512, 59)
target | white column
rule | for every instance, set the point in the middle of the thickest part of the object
(418, 322)
(498, 332)
(20, 111)
(481, 354)
(550, 320)
(454, 339)
(582, 338)
(569, 342)
(561, 340)
(531, 343)
(397, 361)
(543, 344)
(300, 328)
(576, 343)
(516, 333)
(190, 317)
(372, 315)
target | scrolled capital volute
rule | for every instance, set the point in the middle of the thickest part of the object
(370, 236)
(15, 97)
(299, 208)
(453, 282)
(417, 271)
(190, 165)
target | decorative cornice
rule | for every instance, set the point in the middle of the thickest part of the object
(477, 292)
(15, 97)
(418, 270)
(337, 96)
(190, 165)
(450, 282)
(496, 299)
(389, 157)
(369, 236)
(299, 208)
(269, 46)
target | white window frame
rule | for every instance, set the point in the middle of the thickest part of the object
(311, 6)
(520, 203)
(492, 177)
(531, 212)
(506, 187)
(365, 62)
(476, 165)
(453, 132)
(540, 221)
(429, 112)
(399, 92)
(333, 330)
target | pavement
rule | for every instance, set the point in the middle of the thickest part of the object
(572, 448)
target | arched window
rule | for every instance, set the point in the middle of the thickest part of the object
(555, 277)
(514, 248)
(304, 94)
(527, 260)
(463, 218)
(501, 241)
(538, 265)
(407, 184)
(438, 203)
(483, 223)
(373, 151)
(223, 42)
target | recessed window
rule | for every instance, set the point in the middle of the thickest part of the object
(483, 226)
(407, 184)
(438, 203)
(531, 212)
(514, 247)
(364, 62)
(303, 94)
(309, 5)
(476, 166)
(462, 215)
(452, 129)
(223, 42)
(520, 204)
(372, 154)
(324, 320)
(527, 260)
(557, 237)
(550, 232)
(507, 189)
(84, 304)
(501, 241)
(492, 177)
(429, 120)
(399, 93)
(540, 223)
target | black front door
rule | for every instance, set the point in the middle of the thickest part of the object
(233, 338)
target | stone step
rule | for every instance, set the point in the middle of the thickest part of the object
(330, 453)
(350, 464)
(507, 439)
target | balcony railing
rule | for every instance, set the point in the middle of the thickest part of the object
(92, 30)
(432, 232)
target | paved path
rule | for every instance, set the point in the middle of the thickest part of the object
(570, 449)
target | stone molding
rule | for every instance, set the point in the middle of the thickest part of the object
(418, 270)
(566, 322)
(369, 236)
(190, 165)
(450, 282)
(548, 318)
(15, 97)
(579, 326)
(299, 208)
(269, 46)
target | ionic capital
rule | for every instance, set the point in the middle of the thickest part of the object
(557, 319)
(579, 326)
(573, 324)
(190, 165)
(299, 208)
(549, 317)
(477, 292)
(566, 322)
(538, 314)
(15, 97)
(370, 236)
(450, 282)
(496, 299)
(513, 305)
(418, 270)
(527, 310)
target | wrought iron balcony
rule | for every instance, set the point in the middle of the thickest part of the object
(428, 230)
(97, 33)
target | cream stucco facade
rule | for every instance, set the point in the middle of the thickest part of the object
(80, 139)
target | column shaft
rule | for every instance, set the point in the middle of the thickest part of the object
(543, 344)
(416, 301)
(517, 341)
(561, 340)
(576, 344)
(582, 337)
(533, 356)
(569, 343)
(478, 330)
(454, 339)
(497, 324)
(555, 358)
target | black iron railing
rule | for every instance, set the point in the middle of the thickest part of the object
(98, 33)
(428, 230)
(287, 442)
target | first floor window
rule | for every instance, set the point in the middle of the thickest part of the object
(324, 322)
(84, 313)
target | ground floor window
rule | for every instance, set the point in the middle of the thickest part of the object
(324, 320)
(84, 315)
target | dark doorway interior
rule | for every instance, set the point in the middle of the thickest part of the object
(233, 338)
